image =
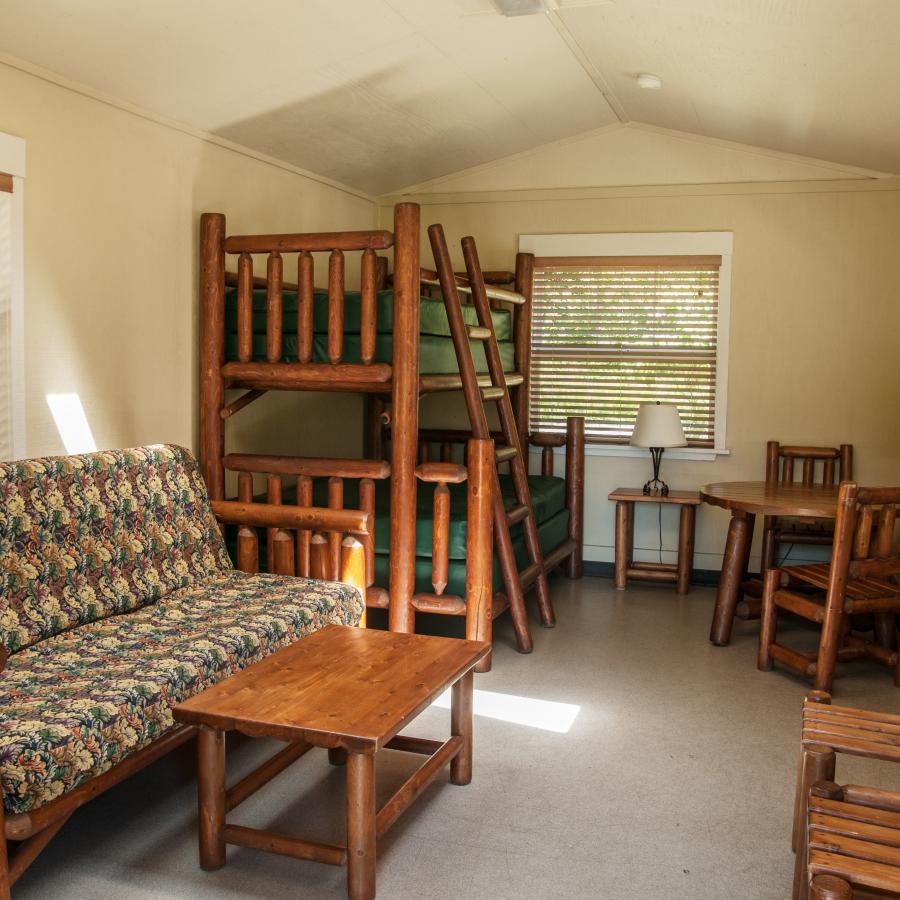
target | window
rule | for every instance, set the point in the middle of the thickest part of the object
(12, 431)
(613, 330)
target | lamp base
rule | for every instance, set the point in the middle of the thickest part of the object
(654, 485)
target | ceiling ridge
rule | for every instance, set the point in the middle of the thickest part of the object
(21, 65)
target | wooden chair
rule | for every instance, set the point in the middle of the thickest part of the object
(839, 832)
(781, 463)
(858, 580)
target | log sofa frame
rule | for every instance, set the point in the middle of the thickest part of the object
(392, 392)
(27, 834)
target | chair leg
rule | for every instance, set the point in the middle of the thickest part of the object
(769, 548)
(817, 763)
(769, 621)
(829, 887)
(829, 642)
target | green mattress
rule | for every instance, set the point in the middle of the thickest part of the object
(548, 496)
(437, 356)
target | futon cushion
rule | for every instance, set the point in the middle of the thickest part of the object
(86, 537)
(75, 704)
(432, 314)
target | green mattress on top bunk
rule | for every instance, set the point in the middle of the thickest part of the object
(436, 353)
(548, 497)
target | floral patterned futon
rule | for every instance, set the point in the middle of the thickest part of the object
(87, 538)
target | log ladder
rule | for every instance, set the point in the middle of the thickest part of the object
(516, 582)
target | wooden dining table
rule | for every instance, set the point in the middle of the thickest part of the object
(746, 500)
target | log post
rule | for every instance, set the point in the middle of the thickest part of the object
(245, 307)
(304, 535)
(367, 308)
(212, 352)
(274, 308)
(335, 306)
(480, 544)
(319, 561)
(575, 493)
(405, 412)
(305, 306)
(522, 341)
(440, 539)
(211, 796)
(353, 570)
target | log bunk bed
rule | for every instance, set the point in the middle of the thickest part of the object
(431, 547)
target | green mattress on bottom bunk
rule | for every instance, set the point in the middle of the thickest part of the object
(547, 496)
(437, 356)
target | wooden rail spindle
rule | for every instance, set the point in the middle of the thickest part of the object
(863, 538)
(273, 495)
(319, 561)
(828, 473)
(440, 539)
(353, 569)
(304, 498)
(335, 501)
(446, 452)
(381, 272)
(846, 462)
(772, 461)
(547, 461)
(283, 552)
(336, 307)
(305, 306)
(245, 307)
(887, 521)
(274, 307)
(787, 469)
(808, 465)
(367, 505)
(247, 539)
(368, 311)
(423, 452)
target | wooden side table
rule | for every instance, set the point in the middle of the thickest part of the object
(626, 567)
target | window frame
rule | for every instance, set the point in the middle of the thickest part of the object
(12, 162)
(658, 243)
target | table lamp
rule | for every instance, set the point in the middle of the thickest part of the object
(657, 426)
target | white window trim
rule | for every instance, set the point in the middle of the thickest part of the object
(658, 243)
(12, 162)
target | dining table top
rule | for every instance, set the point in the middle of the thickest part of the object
(773, 498)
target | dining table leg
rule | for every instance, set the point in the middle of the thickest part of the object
(734, 568)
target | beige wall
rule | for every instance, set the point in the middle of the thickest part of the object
(814, 317)
(113, 201)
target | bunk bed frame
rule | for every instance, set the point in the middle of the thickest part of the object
(392, 393)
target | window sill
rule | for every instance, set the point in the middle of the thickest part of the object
(698, 454)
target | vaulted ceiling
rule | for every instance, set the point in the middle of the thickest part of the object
(380, 94)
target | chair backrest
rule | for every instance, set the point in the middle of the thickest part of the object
(781, 462)
(86, 537)
(865, 545)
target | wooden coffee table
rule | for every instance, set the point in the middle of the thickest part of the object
(348, 689)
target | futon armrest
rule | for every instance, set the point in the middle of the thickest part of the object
(312, 518)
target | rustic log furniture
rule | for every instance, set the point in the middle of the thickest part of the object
(281, 336)
(625, 565)
(351, 691)
(137, 607)
(746, 500)
(858, 580)
(831, 838)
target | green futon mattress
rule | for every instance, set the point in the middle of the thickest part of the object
(437, 356)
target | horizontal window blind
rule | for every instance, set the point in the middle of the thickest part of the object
(609, 333)
(6, 445)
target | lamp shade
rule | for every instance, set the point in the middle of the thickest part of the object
(658, 425)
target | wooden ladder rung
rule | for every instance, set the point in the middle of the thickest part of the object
(528, 575)
(478, 332)
(504, 454)
(516, 514)
(492, 393)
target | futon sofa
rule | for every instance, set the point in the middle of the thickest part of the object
(117, 601)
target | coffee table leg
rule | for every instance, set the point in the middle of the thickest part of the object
(360, 826)
(734, 564)
(461, 724)
(211, 796)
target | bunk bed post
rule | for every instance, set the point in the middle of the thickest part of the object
(212, 352)
(405, 417)
(522, 342)
(575, 493)
(480, 545)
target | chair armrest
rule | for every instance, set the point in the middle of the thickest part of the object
(272, 515)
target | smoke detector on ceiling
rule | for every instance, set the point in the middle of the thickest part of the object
(649, 82)
(522, 7)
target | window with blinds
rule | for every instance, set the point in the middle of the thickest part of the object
(609, 333)
(6, 411)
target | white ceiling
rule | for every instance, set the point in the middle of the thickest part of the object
(380, 94)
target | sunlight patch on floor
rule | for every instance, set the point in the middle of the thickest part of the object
(544, 714)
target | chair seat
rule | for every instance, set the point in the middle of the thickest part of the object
(858, 843)
(846, 730)
(73, 705)
(816, 574)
